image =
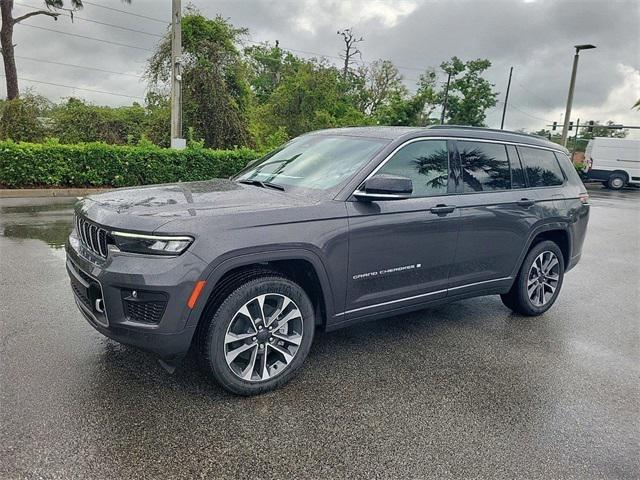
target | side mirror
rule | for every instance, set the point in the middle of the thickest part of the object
(384, 187)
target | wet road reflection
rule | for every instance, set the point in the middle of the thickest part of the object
(458, 391)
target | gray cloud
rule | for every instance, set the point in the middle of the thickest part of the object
(536, 37)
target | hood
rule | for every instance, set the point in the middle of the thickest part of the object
(149, 207)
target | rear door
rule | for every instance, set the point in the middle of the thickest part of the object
(497, 213)
(400, 251)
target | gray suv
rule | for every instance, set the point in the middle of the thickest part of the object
(335, 227)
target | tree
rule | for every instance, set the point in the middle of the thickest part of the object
(382, 83)
(470, 95)
(350, 49)
(6, 35)
(637, 105)
(216, 91)
(600, 130)
(21, 118)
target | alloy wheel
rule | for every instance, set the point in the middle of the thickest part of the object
(263, 337)
(543, 278)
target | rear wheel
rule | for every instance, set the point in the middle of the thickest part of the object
(616, 181)
(259, 336)
(538, 283)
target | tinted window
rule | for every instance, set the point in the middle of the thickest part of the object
(541, 167)
(485, 166)
(426, 163)
(517, 175)
(567, 167)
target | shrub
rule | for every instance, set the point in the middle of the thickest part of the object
(98, 164)
(19, 120)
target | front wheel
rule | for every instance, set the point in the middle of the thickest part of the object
(538, 283)
(259, 336)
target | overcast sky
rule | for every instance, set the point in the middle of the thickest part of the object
(536, 37)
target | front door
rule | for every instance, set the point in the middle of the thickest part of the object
(400, 251)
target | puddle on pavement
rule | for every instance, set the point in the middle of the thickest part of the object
(48, 222)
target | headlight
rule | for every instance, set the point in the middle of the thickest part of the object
(151, 244)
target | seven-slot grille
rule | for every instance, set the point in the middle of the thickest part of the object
(92, 236)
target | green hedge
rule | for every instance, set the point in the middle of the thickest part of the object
(99, 164)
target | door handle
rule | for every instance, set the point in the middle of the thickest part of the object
(443, 209)
(526, 202)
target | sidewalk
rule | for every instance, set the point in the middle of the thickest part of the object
(49, 192)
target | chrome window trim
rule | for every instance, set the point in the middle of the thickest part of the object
(471, 139)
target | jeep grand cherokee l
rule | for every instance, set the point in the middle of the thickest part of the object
(335, 227)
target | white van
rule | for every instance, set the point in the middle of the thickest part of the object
(613, 161)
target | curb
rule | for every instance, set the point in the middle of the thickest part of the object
(49, 192)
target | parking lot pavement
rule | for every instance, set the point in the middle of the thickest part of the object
(466, 390)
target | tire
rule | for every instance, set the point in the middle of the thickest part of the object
(249, 315)
(526, 296)
(617, 181)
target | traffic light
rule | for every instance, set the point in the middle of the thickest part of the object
(590, 129)
(570, 126)
(554, 126)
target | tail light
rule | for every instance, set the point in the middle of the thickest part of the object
(584, 198)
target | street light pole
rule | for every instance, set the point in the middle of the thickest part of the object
(572, 84)
(176, 76)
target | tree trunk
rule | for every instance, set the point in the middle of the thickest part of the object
(6, 41)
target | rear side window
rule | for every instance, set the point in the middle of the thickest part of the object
(517, 174)
(485, 166)
(426, 163)
(567, 167)
(541, 167)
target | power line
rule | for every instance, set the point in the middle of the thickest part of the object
(511, 105)
(76, 88)
(76, 17)
(532, 93)
(79, 66)
(164, 22)
(335, 57)
(88, 38)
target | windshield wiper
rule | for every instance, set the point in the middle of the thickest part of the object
(262, 184)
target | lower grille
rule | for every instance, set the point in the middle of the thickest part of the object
(146, 312)
(80, 294)
(143, 306)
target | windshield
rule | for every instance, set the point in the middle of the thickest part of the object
(314, 161)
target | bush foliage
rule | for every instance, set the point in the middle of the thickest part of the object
(98, 164)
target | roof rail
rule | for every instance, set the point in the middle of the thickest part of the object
(484, 129)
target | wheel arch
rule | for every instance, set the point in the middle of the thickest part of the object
(556, 232)
(300, 265)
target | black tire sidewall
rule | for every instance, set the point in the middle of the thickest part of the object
(613, 177)
(522, 298)
(222, 318)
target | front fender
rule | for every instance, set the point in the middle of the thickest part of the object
(217, 269)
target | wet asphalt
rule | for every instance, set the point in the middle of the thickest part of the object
(467, 390)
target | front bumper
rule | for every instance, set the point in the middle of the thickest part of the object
(100, 287)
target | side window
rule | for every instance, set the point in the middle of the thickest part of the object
(517, 175)
(541, 167)
(426, 163)
(485, 166)
(567, 167)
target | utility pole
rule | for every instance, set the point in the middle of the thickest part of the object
(572, 84)
(176, 76)
(506, 99)
(446, 97)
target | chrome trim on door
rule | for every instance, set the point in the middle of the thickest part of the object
(422, 295)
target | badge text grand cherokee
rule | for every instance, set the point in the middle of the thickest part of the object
(335, 227)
